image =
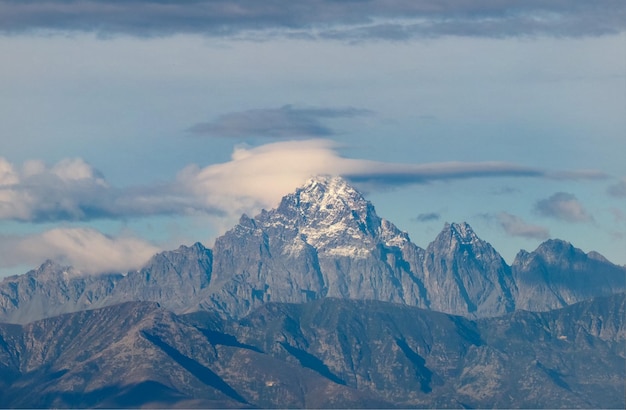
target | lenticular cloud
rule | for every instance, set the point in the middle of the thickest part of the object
(254, 178)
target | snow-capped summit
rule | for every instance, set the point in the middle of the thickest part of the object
(324, 190)
(332, 216)
(326, 200)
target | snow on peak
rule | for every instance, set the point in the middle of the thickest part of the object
(327, 189)
(332, 216)
(328, 200)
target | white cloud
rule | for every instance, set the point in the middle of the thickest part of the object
(72, 169)
(72, 190)
(41, 193)
(259, 177)
(8, 175)
(87, 250)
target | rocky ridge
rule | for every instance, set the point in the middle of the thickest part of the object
(326, 240)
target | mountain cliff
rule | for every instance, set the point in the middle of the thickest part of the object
(465, 275)
(326, 240)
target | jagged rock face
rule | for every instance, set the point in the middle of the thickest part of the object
(50, 290)
(324, 240)
(465, 275)
(171, 278)
(557, 274)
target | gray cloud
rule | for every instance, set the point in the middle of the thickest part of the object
(392, 174)
(427, 217)
(577, 174)
(564, 206)
(618, 189)
(516, 226)
(285, 122)
(351, 20)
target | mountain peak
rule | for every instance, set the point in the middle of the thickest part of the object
(463, 232)
(328, 191)
(325, 200)
(330, 215)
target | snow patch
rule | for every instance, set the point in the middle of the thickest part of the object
(349, 251)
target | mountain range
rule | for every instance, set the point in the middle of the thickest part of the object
(321, 303)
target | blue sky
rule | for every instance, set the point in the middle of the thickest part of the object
(131, 127)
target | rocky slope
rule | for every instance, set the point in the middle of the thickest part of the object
(326, 353)
(326, 240)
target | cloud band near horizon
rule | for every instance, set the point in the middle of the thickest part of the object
(254, 178)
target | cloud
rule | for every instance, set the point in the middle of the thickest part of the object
(258, 177)
(285, 122)
(87, 250)
(40, 193)
(254, 178)
(427, 217)
(516, 226)
(396, 174)
(617, 190)
(380, 19)
(563, 206)
(72, 190)
(575, 175)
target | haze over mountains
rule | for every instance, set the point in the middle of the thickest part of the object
(321, 303)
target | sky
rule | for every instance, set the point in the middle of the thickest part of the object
(131, 127)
